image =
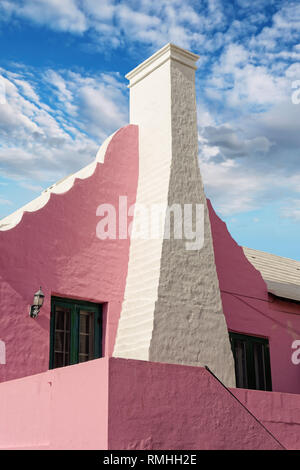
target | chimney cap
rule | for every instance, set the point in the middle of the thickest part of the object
(168, 52)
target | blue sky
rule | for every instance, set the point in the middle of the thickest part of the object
(62, 64)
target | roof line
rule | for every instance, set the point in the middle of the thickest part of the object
(62, 186)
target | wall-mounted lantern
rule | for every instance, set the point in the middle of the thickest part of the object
(38, 301)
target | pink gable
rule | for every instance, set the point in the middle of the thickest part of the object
(57, 247)
(250, 310)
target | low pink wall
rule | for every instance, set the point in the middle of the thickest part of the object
(166, 406)
(56, 247)
(279, 412)
(113, 403)
(64, 408)
(250, 310)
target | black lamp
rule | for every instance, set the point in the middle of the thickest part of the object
(38, 301)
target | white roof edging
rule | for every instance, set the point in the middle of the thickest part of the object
(60, 187)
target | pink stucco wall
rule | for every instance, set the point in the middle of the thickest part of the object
(56, 247)
(167, 406)
(279, 412)
(113, 403)
(250, 310)
(65, 408)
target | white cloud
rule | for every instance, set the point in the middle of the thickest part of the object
(44, 142)
(252, 160)
(242, 83)
(31, 187)
(248, 128)
(255, 85)
(127, 21)
(5, 202)
(292, 210)
(103, 10)
(230, 145)
(59, 15)
(230, 198)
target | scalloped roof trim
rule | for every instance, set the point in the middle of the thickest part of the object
(62, 186)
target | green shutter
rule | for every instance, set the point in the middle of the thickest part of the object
(252, 345)
(75, 306)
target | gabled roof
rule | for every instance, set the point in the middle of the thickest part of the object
(60, 187)
(282, 275)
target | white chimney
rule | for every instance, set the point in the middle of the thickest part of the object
(172, 310)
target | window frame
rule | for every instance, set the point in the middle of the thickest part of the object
(250, 341)
(75, 306)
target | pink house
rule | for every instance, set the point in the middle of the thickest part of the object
(127, 324)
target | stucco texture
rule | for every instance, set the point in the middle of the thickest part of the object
(60, 409)
(169, 406)
(112, 403)
(250, 310)
(278, 412)
(189, 325)
(173, 311)
(57, 248)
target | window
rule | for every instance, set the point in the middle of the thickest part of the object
(76, 332)
(252, 361)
